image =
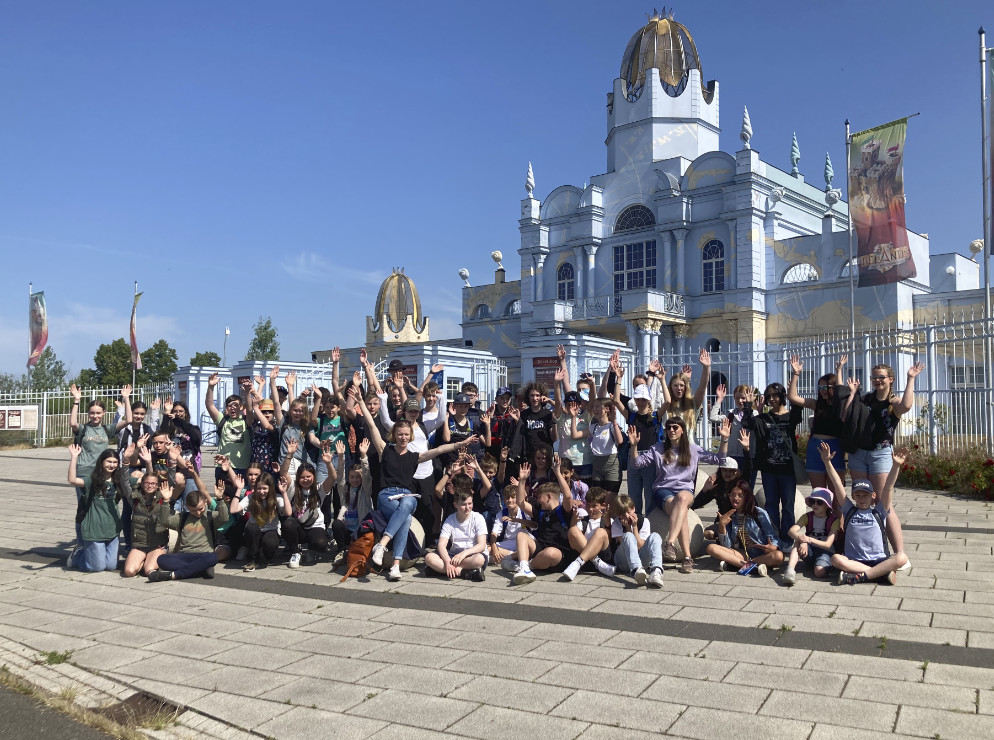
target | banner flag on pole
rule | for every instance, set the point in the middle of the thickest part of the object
(990, 149)
(876, 204)
(38, 325)
(136, 359)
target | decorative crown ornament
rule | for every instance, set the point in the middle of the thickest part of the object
(746, 134)
(795, 157)
(530, 181)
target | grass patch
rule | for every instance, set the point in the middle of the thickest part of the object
(54, 657)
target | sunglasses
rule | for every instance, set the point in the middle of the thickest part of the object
(670, 427)
(879, 377)
(825, 387)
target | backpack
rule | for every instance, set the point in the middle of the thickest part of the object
(357, 564)
(809, 524)
(840, 543)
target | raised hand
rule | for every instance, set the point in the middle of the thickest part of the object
(826, 452)
(340, 447)
(514, 413)
(655, 366)
(145, 455)
(363, 357)
(291, 446)
(688, 370)
(336, 354)
(239, 481)
(719, 393)
(556, 462)
(437, 368)
(143, 441)
(633, 436)
(259, 380)
(326, 454)
(560, 375)
(796, 364)
(725, 519)
(853, 385)
(364, 447)
(744, 438)
(274, 373)
(76, 394)
(219, 488)
(166, 490)
(291, 378)
(900, 456)
(504, 453)
(704, 358)
(915, 370)
(213, 380)
(156, 403)
(284, 484)
(561, 351)
(129, 452)
(126, 390)
(485, 418)
(843, 359)
(525, 470)
(725, 430)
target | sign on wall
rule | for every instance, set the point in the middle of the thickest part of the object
(18, 418)
(545, 369)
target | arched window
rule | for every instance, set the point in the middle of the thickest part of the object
(513, 308)
(481, 312)
(565, 282)
(802, 272)
(634, 217)
(714, 266)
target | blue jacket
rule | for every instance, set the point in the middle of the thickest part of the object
(761, 531)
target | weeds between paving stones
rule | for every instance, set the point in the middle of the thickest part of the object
(53, 657)
(882, 644)
(924, 667)
(68, 693)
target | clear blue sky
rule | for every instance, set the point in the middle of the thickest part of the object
(247, 158)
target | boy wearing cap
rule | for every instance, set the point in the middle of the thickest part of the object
(502, 423)
(866, 555)
(572, 415)
(814, 536)
(458, 426)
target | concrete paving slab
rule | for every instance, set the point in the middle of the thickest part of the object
(716, 724)
(622, 711)
(775, 677)
(415, 679)
(573, 676)
(679, 690)
(301, 722)
(522, 695)
(921, 722)
(867, 715)
(496, 723)
(705, 669)
(320, 693)
(912, 694)
(555, 650)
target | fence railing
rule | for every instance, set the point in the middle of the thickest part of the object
(54, 407)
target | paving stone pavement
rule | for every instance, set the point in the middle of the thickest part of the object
(289, 654)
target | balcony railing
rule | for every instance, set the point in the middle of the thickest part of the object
(600, 307)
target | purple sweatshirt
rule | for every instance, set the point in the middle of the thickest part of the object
(673, 476)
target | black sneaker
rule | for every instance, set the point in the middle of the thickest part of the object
(474, 574)
(851, 579)
(160, 575)
(209, 573)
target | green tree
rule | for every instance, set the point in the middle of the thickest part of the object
(112, 365)
(206, 359)
(50, 372)
(9, 383)
(264, 345)
(158, 363)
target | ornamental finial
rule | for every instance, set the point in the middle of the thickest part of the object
(829, 172)
(795, 157)
(530, 181)
(746, 134)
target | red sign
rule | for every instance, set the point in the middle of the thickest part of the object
(545, 369)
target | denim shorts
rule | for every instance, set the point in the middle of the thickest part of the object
(818, 558)
(871, 461)
(662, 495)
(813, 462)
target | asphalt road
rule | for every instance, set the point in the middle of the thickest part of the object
(25, 717)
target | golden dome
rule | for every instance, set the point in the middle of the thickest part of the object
(666, 45)
(398, 299)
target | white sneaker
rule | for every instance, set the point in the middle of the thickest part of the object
(640, 576)
(789, 577)
(523, 575)
(509, 564)
(376, 556)
(295, 560)
(394, 574)
(761, 570)
(722, 566)
(242, 554)
(906, 566)
(573, 568)
(656, 578)
(605, 569)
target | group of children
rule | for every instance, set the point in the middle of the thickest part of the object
(532, 483)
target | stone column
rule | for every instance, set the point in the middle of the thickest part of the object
(682, 331)
(680, 284)
(654, 342)
(731, 256)
(539, 288)
(665, 262)
(579, 273)
(591, 250)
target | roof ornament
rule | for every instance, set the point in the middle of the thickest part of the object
(795, 157)
(464, 274)
(832, 195)
(530, 181)
(746, 134)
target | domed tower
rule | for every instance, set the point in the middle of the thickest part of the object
(397, 317)
(660, 107)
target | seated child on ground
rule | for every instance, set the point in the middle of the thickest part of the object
(462, 544)
(814, 537)
(194, 555)
(591, 530)
(746, 535)
(550, 521)
(504, 533)
(865, 553)
(639, 551)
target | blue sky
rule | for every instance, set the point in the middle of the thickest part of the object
(247, 158)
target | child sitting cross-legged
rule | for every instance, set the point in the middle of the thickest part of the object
(504, 534)
(590, 532)
(814, 535)
(746, 536)
(462, 545)
(865, 554)
(639, 550)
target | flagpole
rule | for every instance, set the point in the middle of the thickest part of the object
(985, 140)
(136, 334)
(852, 265)
(30, 348)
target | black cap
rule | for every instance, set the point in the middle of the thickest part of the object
(395, 366)
(461, 398)
(573, 397)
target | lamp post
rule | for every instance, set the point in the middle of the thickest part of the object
(224, 362)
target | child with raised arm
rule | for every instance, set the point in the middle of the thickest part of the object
(504, 534)
(462, 544)
(355, 494)
(866, 555)
(814, 536)
(197, 527)
(746, 536)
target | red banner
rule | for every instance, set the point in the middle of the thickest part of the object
(38, 325)
(876, 204)
(136, 359)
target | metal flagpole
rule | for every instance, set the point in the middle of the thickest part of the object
(30, 348)
(136, 334)
(852, 264)
(985, 141)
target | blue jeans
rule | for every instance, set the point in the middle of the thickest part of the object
(640, 485)
(780, 491)
(399, 513)
(94, 556)
(628, 557)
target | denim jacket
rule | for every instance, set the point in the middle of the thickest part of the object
(761, 531)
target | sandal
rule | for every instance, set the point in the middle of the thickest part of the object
(687, 566)
(249, 566)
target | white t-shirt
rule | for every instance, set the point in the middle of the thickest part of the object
(602, 441)
(587, 526)
(463, 535)
(507, 532)
(618, 531)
